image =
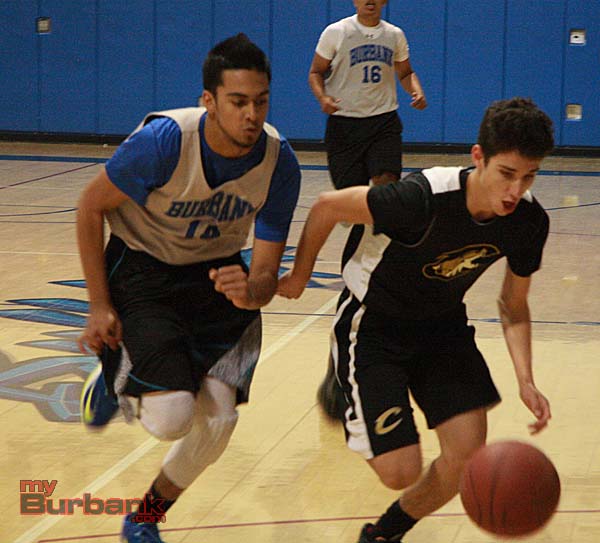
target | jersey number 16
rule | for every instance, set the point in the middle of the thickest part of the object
(371, 74)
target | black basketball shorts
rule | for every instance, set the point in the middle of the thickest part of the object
(176, 327)
(380, 360)
(360, 148)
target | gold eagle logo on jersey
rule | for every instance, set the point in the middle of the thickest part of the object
(454, 264)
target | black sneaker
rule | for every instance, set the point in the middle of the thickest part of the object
(330, 395)
(367, 535)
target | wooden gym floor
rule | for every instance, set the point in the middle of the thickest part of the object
(287, 475)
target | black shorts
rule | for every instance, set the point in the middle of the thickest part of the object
(380, 360)
(360, 148)
(176, 327)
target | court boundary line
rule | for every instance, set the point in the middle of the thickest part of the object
(289, 521)
(308, 167)
(18, 183)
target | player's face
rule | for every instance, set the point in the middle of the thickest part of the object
(238, 111)
(504, 180)
(369, 9)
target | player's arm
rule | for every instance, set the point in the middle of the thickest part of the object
(254, 289)
(316, 80)
(96, 199)
(410, 83)
(346, 205)
(257, 287)
(264, 269)
(516, 325)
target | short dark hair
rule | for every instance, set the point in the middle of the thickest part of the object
(516, 124)
(235, 53)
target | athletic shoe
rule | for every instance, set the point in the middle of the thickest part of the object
(142, 532)
(97, 406)
(330, 395)
(367, 535)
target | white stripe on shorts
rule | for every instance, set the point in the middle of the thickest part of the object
(358, 436)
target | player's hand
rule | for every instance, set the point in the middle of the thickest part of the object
(418, 101)
(232, 281)
(290, 285)
(538, 404)
(329, 104)
(103, 327)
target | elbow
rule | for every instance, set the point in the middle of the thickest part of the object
(324, 213)
(503, 312)
(323, 199)
(86, 211)
(511, 312)
(83, 211)
(324, 205)
(87, 204)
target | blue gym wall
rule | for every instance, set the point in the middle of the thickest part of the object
(108, 62)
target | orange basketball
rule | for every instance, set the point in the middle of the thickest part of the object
(510, 488)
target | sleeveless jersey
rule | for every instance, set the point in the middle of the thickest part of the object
(425, 250)
(362, 74)
(186, 221)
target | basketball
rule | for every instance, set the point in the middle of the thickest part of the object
(510, 488)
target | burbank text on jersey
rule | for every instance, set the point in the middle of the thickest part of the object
(220, 207)
(370, 53)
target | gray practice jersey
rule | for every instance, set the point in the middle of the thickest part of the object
(185, 220)
(362, 74)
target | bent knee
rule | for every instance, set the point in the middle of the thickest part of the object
(457, 455)
(168, 416)
(399, 479)
(452, 463)
(399, 468)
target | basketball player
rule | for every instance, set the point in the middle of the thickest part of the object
(401, 324)
(353, 76)
(174, 310)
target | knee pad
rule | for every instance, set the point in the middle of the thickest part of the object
(218, 435)
(201, 447)
(168, 416)
(215, 420)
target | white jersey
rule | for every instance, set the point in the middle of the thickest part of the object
(362, 74)
(186, 221)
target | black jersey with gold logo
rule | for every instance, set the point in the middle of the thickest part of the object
(425, 250)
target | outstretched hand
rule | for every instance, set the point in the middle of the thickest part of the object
(538, 404)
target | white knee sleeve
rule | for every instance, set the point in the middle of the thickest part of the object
(169, 415)
(214, 422)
